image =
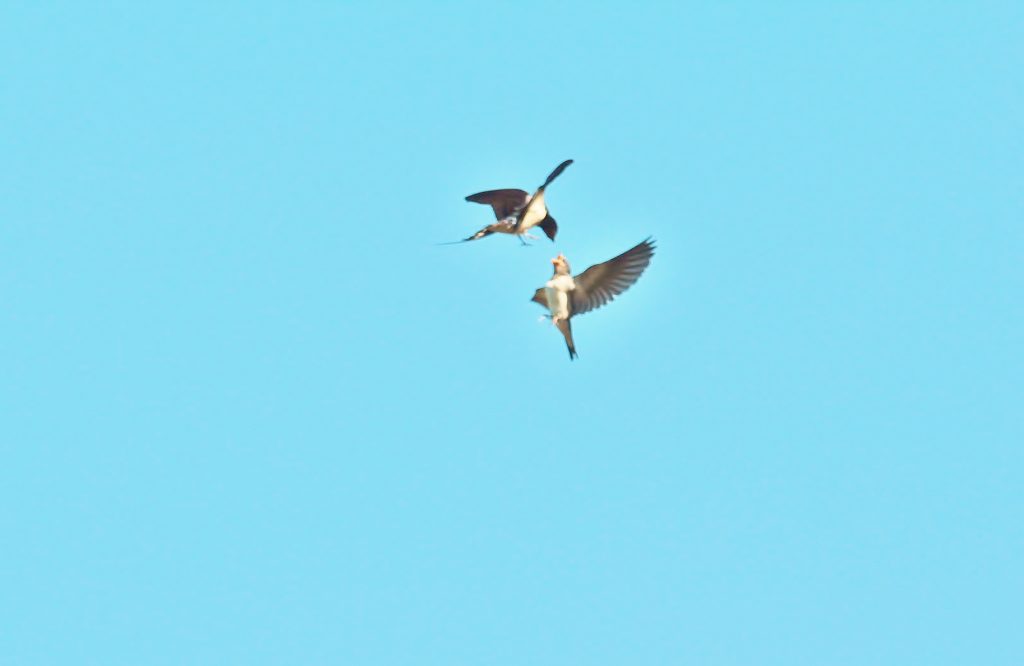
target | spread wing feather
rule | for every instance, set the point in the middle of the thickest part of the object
(506, 203)
(601, 283)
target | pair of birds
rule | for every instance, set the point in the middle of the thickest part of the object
(564, 295)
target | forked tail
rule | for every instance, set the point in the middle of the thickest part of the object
(566, 328)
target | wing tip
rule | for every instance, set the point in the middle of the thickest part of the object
(649, 244)
(556, 173)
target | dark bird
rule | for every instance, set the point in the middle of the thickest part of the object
(517, 212)
(566, 296)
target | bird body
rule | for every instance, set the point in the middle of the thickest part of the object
(533, 214)
(556, 292)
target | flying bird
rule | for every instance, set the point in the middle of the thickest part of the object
(566, 296)
(517, 212)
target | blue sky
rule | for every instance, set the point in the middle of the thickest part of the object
(251, 413)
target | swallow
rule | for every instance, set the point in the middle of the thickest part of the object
(566, 296)
(517, 212)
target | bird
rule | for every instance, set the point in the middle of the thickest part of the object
(517, 211)
(566, 296)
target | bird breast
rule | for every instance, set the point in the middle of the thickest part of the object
(535, 212)
(557, 293)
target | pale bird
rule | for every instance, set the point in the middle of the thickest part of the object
(566, 296)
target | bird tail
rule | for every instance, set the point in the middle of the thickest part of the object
(566, 328)
(556, 173)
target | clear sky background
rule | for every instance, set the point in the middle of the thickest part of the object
(251, 413)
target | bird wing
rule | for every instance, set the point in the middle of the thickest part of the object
(540, 298)
(601, 283)
(505, 203)
(556, 173)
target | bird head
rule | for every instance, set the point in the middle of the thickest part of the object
(561, 265)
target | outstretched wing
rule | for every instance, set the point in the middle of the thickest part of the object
(540, 298)
(601, 283)
(505, 203)
(556, 173)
